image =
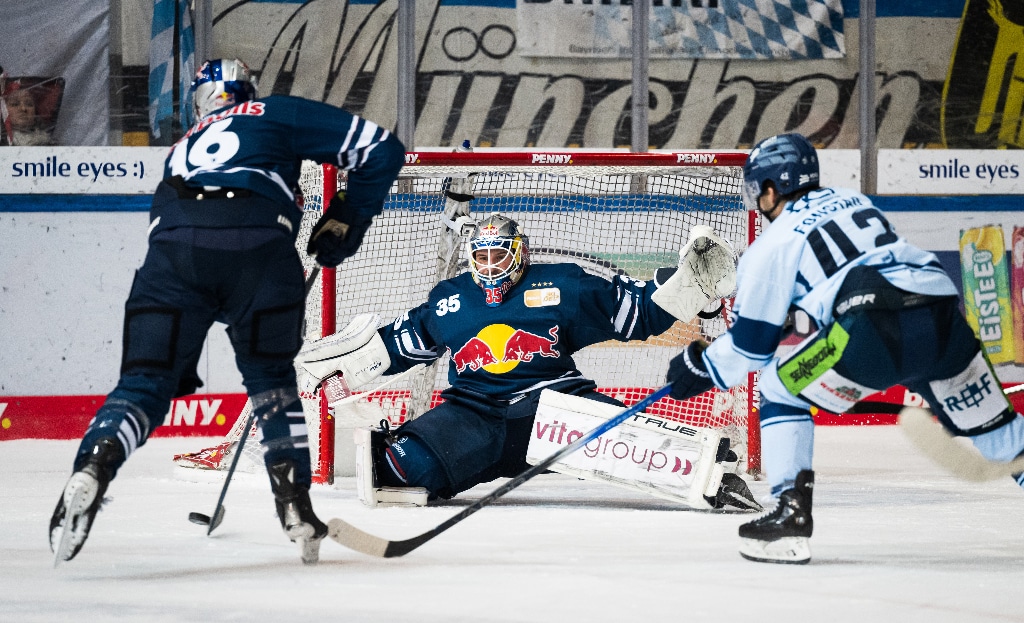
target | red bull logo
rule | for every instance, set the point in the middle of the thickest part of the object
(498, 348)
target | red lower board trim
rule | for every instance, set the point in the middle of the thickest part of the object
(211, 415)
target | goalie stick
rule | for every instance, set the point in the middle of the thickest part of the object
(353, 538)
(220, 509)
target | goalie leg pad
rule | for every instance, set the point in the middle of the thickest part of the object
(649, 454)
(376, 480)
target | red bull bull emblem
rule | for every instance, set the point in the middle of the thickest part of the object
(498, 348)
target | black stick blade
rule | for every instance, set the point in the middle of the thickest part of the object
(217, 518)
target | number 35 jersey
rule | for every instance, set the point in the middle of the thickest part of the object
(528, 341)
(801, 260)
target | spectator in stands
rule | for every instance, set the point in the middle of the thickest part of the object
(22, 125)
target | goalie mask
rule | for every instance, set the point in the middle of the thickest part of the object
(499, 254)
(219, 83)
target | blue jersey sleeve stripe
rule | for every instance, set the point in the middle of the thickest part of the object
(757, 339)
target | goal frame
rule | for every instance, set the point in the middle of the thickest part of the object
(458, 164)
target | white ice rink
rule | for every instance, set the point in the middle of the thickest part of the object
(895, 540)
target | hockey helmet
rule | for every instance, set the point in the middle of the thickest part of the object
(499, 253)
(219, 83)
(788, 161)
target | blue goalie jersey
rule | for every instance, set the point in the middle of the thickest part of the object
(528, 341)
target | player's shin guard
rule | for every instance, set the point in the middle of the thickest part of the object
(378, 483)
(782, 535)
(82, 496)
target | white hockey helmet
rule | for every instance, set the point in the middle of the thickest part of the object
(507, 257)
(219, 83)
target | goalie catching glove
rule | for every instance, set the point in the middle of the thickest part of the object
(357, 352)
(707, 271)
(338, 234)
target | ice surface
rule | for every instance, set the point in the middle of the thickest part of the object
(895, 540)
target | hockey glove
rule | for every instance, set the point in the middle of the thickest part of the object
(687, 372)
(338, 234)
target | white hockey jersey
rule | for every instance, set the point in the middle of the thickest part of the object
(801, 261)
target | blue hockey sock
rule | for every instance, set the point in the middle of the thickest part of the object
(116, 419)
(283, 431)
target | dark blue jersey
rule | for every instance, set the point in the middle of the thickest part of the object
(527, 341)
(260, 145)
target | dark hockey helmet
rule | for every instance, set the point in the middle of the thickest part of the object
(219, 83)
(789, 161)
(499, 254)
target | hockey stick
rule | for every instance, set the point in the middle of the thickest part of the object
(219, 510)
(355, 539)
(937, 443)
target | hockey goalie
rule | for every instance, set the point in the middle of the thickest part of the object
(510, 329)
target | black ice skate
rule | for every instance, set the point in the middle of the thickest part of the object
(81, 499)
(734, 492)
(782, 535)
(295, 511)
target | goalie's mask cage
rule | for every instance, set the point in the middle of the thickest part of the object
(611, 213)
(219, 83)
(498, 254)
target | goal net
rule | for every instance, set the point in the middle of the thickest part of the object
(611, 213)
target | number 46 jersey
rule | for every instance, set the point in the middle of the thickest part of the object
(801, 261)
(259, 145)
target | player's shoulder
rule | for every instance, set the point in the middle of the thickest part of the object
(561, 270)
(453, 285)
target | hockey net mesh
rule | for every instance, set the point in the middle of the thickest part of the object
(627, 220)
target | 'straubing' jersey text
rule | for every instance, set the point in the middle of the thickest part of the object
(528, 341)
(801, 261)
(259, 145)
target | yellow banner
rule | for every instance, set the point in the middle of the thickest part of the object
(987, 290)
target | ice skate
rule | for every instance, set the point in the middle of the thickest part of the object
(81, 500)
(295, 510)
(734, 492)
(782, 535)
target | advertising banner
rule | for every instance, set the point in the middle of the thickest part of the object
(987, 290)
(81, 170)
(747, 29)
